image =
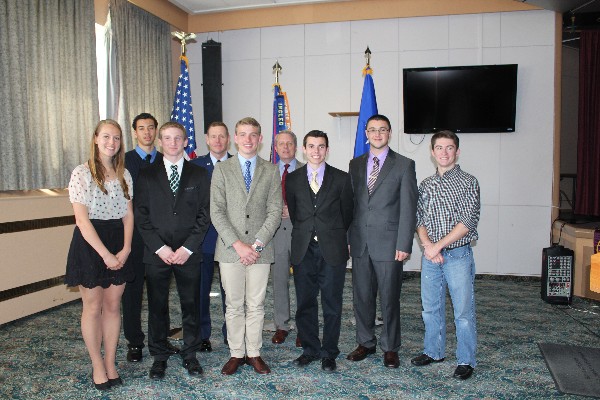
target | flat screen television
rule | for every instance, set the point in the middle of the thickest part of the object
(479, 98)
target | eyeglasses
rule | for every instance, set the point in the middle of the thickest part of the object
(380, 130)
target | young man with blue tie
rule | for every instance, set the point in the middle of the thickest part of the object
(245, 201)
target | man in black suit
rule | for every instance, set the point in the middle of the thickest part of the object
(381, 237)
(319, 199)
(217, 141)
(172, 215)
(145, 153)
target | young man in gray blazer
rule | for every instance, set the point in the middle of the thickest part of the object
(246, 204)
(381, 236)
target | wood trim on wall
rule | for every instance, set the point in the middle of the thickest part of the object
(352, 10)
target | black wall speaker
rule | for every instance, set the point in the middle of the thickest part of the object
(212, 82)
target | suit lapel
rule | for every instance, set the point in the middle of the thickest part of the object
(362, 175)
(163, 179)
(183, 180)
(388, 165)
(236, 171)
(325, 186)
(258, 171)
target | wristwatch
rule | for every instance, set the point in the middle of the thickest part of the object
(258, 248)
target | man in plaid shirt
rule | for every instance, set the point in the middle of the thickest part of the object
(447, 218)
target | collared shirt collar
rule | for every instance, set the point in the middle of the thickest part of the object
(143, 154)
(215, 159)
(320, 173)
(291, 168)
(168, 164)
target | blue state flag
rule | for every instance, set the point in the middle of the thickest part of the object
(368, 108)
(182, 108)
(281, 118)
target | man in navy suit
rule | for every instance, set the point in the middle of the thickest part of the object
(217, 141)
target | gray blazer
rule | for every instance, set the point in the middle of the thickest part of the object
(238, 215)
(384, 221)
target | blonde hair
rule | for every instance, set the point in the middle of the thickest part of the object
(118, 161)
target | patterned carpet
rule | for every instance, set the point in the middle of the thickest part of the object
(43, 356)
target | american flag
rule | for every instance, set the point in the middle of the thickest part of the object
(182, 108)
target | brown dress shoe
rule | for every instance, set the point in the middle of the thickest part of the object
(298, 342)
(279, 336)
(360, 353)
(258, 364)
(390, 359)
(232, 366)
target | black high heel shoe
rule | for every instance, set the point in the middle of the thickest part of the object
(101, 386)
(115, 381)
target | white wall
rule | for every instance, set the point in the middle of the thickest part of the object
(322, 66)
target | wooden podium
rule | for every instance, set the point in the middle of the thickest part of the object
(580, 239)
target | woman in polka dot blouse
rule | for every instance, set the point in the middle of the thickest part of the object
(101, 193)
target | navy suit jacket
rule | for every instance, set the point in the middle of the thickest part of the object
(210, 240)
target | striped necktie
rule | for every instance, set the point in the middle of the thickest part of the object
(373, 176)
(174, 179)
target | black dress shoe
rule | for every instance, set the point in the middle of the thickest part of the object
(193, 367)
(157, 371)
(328, 365)
(206, 346)
(423, 360)
(134, 354)
(172, 349)
(360, 353)
(463, 372)
(115, 381)
(304, 360)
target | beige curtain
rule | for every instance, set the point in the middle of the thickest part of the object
(48, 90)
(143, 44)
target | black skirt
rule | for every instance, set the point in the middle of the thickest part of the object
(85, 267)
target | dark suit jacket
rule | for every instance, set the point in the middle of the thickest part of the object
(210, 240)
(384, 221)
(329, 218)
(175, 221)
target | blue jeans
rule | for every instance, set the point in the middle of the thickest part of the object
(457, 272)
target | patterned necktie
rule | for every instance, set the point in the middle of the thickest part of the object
(373, 176)
(174, 179)
(314, 184)
(285, 174)
(247, 177)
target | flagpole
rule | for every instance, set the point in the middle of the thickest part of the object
(182, 111)
(368, 108)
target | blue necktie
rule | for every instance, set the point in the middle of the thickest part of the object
(247, 177)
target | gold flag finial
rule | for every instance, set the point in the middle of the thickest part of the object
(277, 70)
(183, 38)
